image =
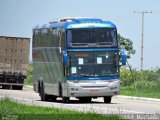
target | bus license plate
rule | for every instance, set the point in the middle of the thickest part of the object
(94, 90)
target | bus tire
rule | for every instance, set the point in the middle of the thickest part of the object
(53, 98)
(85, 99)
(65, 99)
(60, 89)
(107, 99)
(43, 96)
(39, 87)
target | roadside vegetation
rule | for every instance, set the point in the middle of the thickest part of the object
(141, 84)
(17, 111)
(136, 82)
(29, 80)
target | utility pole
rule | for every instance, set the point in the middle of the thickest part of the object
(142, 41)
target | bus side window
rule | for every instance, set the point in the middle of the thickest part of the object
(44, 38)
(49, 34)
(34, 39)
(39, 38)
(54, 37)
(62, 39)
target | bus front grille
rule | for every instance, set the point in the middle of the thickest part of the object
(93, 86)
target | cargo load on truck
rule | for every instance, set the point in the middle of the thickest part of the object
(14, 57)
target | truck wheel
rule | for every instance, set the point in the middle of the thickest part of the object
(19, 87)
(107, 99)
(15, 87)
(7, 87)
(3, 87)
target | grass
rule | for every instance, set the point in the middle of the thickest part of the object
(29, 79)
(140, 92)
(18, 111)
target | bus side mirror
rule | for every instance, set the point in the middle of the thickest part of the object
(128, 56)
(123, 57)
(65, 59)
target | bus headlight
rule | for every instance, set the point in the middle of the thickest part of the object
(113, 88)
(74, 89)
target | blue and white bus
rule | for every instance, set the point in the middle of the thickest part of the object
(77, 57)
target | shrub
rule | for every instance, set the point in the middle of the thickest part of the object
(145, 79)
(29, 79)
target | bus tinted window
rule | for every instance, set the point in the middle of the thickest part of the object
(92, 37)
(48, 37)
(97, 63)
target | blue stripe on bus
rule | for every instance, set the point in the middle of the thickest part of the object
(91, 49)
(94, 78)
(90, 25)
(74, 24)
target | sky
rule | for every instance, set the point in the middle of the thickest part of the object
(18, 17)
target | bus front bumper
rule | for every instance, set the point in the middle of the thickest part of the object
(91, 89)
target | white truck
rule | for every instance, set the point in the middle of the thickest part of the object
(14, 57)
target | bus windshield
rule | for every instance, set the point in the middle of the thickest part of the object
(93, 63)
(92, 37)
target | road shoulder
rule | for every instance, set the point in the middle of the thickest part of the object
(138, 98)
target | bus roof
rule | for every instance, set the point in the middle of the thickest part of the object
(78, 22)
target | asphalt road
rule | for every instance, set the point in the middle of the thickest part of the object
(119, 105)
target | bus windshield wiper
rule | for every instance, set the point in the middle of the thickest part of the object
(104, 43)
(80, 44)
(72, 75)
(108, 44)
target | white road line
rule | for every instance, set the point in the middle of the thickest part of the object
(138, 98)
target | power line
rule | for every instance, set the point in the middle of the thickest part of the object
(142, 41)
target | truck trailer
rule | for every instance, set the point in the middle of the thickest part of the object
(14, 59)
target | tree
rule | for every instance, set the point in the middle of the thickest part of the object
(126, 44)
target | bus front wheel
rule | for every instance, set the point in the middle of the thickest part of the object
(107, 99)
(85, 99)
(65, 99)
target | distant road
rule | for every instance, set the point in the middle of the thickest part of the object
(119, 105)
